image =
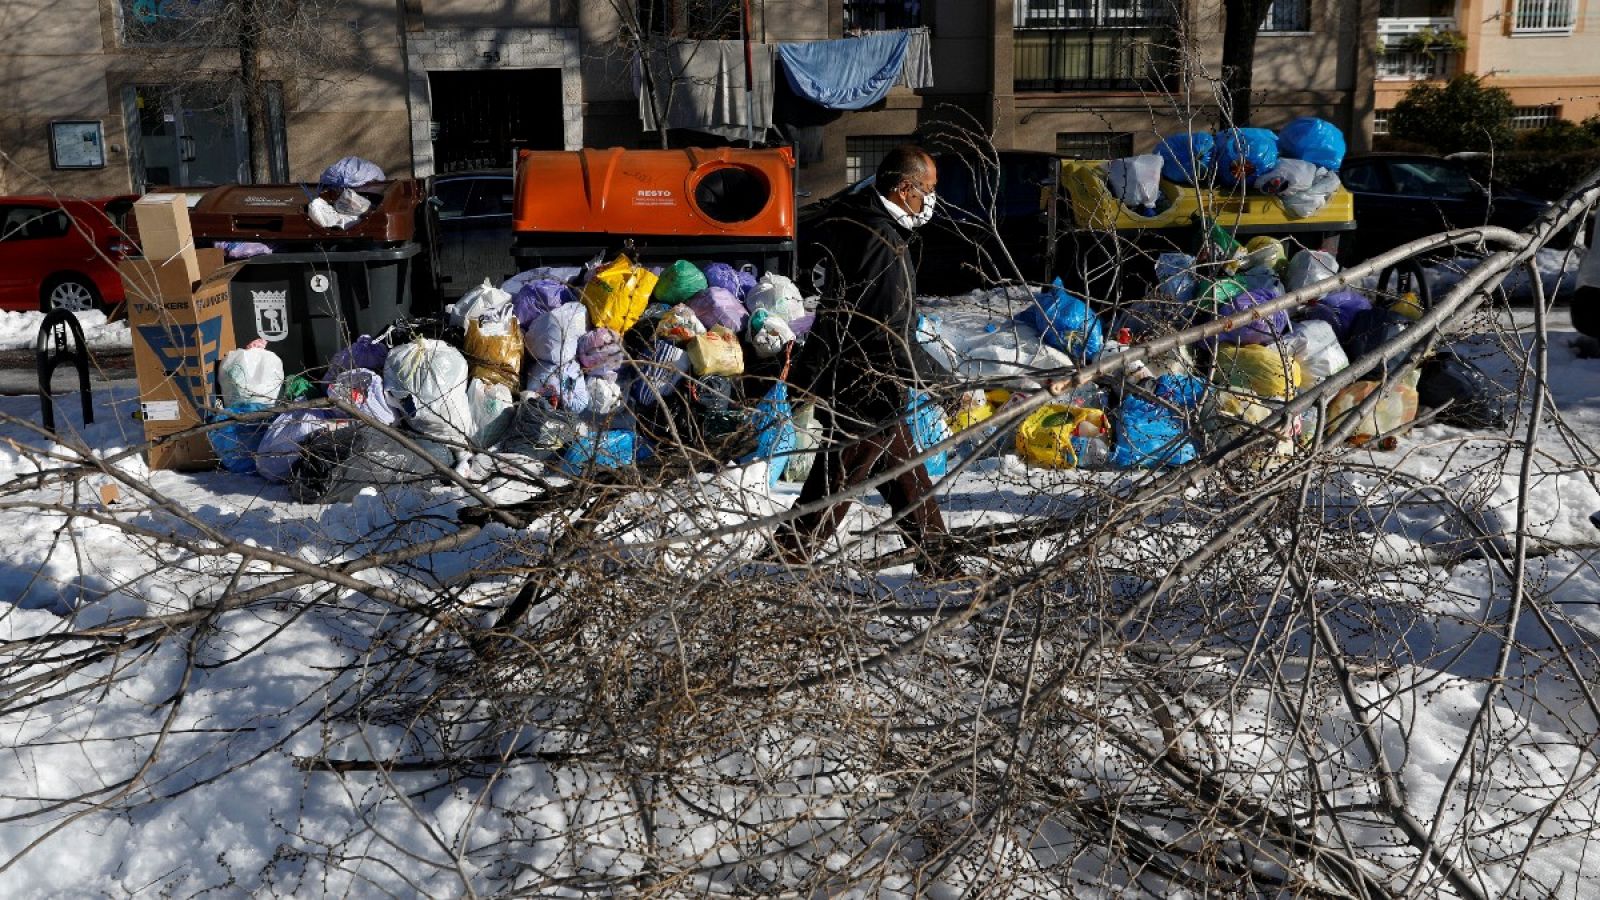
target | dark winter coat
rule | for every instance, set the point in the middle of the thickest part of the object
(862, 354)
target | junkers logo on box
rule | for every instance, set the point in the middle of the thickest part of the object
(272, 314)
(187, 352)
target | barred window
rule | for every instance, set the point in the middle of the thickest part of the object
(1543, 17)
(1288, 15)
(1528, 118)
(881, 15)
(1094, 144)
(862, 154)
(1380, 121)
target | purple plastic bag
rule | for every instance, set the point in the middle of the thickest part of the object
(715, 306)
(363, 389)
(723, 276)
(365, 353)
(600, 352)
(242, 249)
(1260, 331)
(280, 446)
(538, 297)
(1339, 309)
(801, 325)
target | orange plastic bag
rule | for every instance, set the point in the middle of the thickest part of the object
(717, 352)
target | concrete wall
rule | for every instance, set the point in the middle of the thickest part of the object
(53, 66)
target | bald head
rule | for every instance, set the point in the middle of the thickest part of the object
(907, 162)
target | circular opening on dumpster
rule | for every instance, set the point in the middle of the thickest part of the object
(732, 194)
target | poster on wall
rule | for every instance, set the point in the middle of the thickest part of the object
(77, 145)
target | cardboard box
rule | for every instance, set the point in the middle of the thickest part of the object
(181, 330)
(164, 233)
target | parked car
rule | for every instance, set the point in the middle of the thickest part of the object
(471, 224)
(959, 250)
(62, 252)
(1400, 197)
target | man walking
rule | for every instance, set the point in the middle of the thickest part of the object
(862, 359)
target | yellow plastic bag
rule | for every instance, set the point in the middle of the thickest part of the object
(1392, 413)
(495, 358)
(974, 408)
(1265, 370)
(617, 295)
(1045, 437)
(717, 352)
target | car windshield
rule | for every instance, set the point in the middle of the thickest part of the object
(1427, 179)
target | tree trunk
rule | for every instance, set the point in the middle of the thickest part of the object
(1243, 23)
(255, 101)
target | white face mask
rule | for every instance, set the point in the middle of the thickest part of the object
(910, 220)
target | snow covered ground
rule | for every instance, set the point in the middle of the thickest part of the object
(19, 330)
(122, 792)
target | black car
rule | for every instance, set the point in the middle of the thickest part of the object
(471, 223)
(1400, 197)
(959, 249)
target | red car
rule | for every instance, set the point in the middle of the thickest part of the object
(62, 252)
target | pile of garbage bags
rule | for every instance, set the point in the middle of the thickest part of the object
(593, 367)
(1299, 165)
(1159, 412)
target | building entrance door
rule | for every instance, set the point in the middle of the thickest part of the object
(481, 119)
(195, 136)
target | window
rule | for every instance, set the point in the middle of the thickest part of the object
(862, 154)
(706, 20)
(881, 15)
(1380, 122)
(1528, 118)
(194, 23)
(1094, 144)
(1288, 15)
(26, 223)
(1425, 179)
(1416, 9)
(1362, 178)
(1542, 17)
(1064, 45)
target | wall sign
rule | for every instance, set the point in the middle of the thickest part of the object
(77, 145)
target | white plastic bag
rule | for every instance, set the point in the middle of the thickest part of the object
(1289, 176)
(492, 406)
(326, 216)
(1136, 181)
(350, 203)
(807, 438)
(562, 383)
(427, 381)
(485, 303)
(251, 375)
(553, 337)
(769, 334)
(777, 294)
(605, 395)
(1317, 347)
(1299, 204)
(1309, 267)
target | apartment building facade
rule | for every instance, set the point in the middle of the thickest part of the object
(126, 97)
(1545, 53)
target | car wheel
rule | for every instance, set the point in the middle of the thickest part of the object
(70, 292)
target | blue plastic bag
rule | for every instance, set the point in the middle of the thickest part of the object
(776, 440)
(1186, 158)
(350, 172)
(1065, 323)
(1183, 391)
(1150, 435)
(606, 450)
(236, 444)
(928, 429)
(1314, 140)
(1243, 153)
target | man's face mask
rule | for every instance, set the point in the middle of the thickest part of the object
(909, 219)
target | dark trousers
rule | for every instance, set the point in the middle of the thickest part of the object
(848, 461)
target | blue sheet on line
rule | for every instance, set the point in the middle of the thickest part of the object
(845, 74)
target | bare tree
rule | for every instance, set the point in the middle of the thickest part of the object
(1241, 25)
(235, 48)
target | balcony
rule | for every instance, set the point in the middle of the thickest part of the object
(1417, 47)
(1077, 45)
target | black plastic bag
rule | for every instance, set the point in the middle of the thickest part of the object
(1371, 329)
(1468, 397)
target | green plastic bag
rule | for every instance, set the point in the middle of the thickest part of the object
(679, 282)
